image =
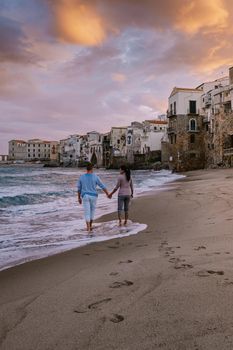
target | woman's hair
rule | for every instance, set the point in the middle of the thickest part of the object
(127, 172)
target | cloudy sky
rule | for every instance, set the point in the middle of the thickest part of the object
(71, 66)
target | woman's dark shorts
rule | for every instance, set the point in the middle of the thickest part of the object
(123, 203)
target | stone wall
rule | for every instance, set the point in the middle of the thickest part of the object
(186, 152)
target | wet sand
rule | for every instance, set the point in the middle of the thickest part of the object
(169, 287)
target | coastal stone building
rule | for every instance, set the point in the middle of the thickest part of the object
(95, 145)
(17, 150)
(217, 110)
(200, 130)
(143, 140)
(33, 150)
(185, 130)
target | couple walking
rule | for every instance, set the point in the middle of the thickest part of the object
(87, 193)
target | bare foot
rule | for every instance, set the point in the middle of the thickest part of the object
(119, 222)
(125, 223)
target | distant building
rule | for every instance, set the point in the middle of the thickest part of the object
(95, 145)
(17, 150)
(118, 141)
(154, 132)
(33, 150)
(3, 158)
(143, 141)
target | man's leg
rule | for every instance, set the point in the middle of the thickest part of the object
(87, 211)
(92, 210)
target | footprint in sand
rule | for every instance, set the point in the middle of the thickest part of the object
(114, 273)
(176, 260)
(96, 305)
(206, 273)
(141, 245)
(200, 247)
(92, 306)
(126, 262)
(112, 246)
(117, 318)
(121, 284)
(183, 266)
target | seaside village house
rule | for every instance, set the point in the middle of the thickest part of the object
(143, 141)
(217, 109)
(200, 129)
(76, 150)
(33, 150)
(95, 142)
(118, 146)
(17, 150)
(185, 132)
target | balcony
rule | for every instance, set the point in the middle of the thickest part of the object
(171, 114)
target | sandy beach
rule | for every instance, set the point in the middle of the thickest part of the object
(168, 287)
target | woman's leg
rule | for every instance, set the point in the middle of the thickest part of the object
(120, 207)
(92, 210)
(87, 211)
(126, 208)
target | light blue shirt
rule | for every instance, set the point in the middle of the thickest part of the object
(87, 184)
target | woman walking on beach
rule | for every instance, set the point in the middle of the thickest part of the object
(125, 186)
(87, 194)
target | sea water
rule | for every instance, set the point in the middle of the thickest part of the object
(40, 214)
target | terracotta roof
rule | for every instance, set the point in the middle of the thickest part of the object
(21, 141)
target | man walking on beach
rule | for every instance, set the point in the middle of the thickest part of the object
(87, 194)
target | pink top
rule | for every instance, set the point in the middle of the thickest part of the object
(125, 186)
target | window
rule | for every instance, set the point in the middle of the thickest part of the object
(129, 139)
(192, 138)
(192, 125)
(175, 107)
(192, 107)
(231, 141)
(171, 108)
(155, 128)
